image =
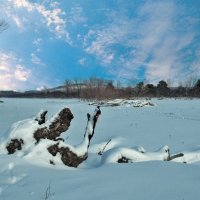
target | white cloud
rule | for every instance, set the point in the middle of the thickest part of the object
(53, 17)
(22, 74)
(13, 75)
(48, 13)
(23, 4)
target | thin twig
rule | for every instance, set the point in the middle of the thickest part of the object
(48, 193)
(102, 151)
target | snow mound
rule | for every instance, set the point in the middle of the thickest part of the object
(190, 156)
(131, 155)
(22, 129)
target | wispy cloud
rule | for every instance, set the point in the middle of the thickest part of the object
(37, 44)
(99, 43)
(153, 42)
(162, 40)
(76, 15)
(19, 22)
(36, 60)
(49, 13)
(82, 61)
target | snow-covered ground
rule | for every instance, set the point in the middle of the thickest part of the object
(134, 132)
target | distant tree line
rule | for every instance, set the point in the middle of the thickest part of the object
(98, 88)
(163, 90)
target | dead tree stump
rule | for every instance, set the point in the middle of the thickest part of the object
(41, 117)
(59, 125)
(15, 144)
(52, 129)
(69, 157)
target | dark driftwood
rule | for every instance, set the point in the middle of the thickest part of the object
(58, 126)
(124, 160)
(42, 117)
(175, 156)
(15, 144)
(102, 151)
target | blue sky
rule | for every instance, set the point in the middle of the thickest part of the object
(128, 40)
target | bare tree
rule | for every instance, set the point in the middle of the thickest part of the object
(190, 81)
(169, 83)
(78, 86)
(119, 84)
(68, 84)
(3, 25)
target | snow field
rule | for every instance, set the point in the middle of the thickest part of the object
(134, 132)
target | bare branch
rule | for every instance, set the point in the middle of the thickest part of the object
(48, 193)
(3, 25)
(175, 156)
(102, 151)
